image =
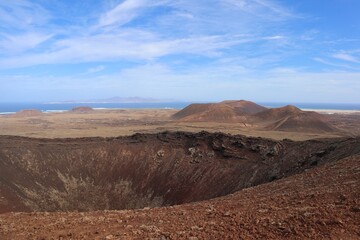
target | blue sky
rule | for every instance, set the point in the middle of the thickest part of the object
(203, 50)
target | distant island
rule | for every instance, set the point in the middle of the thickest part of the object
(117, 100)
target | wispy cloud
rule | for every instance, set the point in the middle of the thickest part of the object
(227, 45)
(333, 64)
(15, 44)
(112, 36)
(265, 9)
(127, 11)
(21, 14)
(278, 84)
(122, 13)
(130, 45)
(96, 69)
(276, 37)
(276, 8)
(346, 57)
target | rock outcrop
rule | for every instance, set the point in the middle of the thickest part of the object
(28, 113)
(83, 109)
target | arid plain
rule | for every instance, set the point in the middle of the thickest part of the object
(124, 122)
(229, 170)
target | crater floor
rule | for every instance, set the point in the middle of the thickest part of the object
(229, 187)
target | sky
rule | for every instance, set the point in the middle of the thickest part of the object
(184, 50)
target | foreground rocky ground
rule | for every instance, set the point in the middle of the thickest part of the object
(321, 203)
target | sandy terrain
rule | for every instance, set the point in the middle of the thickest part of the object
(109, 123)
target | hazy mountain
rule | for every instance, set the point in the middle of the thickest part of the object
(119, 100)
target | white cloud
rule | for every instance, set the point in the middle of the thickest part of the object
(96, 69)
(127, 45)
(107, 39)
(277, 37)
(346, 57)
(337, 65)
(264, 9)
(14, 44)
(222, 81)
(236, 48)
(276, 8)
(21, 14)
(126, 11)
(122, 13)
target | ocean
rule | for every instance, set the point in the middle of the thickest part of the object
(8, 108)
(318, 106)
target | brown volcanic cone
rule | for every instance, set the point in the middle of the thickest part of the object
(304, 123)
(247, 107)
(226, 111)
(82, 109)
(192, 109)
(210, 112)
(279, 113)
(28, 113)
(292, 119)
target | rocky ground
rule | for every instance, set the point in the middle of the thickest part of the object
(149, 170)
(322, 203)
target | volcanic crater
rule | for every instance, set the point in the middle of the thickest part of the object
(149, 170)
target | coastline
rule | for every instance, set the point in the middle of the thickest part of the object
(321, 111)
(332, 111)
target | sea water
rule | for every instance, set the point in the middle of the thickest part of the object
(8, 108)
(317, 106)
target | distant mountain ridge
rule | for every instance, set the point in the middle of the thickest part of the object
(118, 100)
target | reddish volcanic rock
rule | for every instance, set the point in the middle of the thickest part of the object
(279, 113)
(82, 109)
(245, 107)
(226, 111)
(288, 118)
(28, 113)
(322, 203)
(208, 112)
(292, 119)
(148, 170)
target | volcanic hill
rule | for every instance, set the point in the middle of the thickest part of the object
(244, 107)
(291, 118)
(226, 111)
(288, 118)
(82, 109)
(216, 112)
(28, 113)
